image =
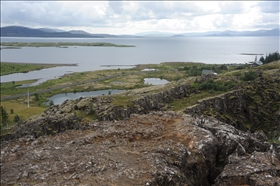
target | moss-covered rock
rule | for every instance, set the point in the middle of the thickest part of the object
(254, 106)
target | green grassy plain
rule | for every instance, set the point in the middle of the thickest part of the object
(10, 68)
(123, 79)
(21, 108)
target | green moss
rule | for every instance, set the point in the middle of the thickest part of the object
(248, 126)
(121, 100)
(232, 97)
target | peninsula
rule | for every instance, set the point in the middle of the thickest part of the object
(17, 45)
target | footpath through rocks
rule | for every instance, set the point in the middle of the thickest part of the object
(159, 148)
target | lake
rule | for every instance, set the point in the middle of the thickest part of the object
(218, 50)
(155, 81)
(60, 98)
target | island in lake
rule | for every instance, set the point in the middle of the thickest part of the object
(17, 45)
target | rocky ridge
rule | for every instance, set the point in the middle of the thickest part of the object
(141, 101)
(254, 106)
(159, 148)
(150, 148)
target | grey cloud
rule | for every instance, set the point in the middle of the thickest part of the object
(266, 26)
(166, 10)
(46, 14)
(270, 7)
(117, 14)
(155, 10)
(116, 6)
(231, 7)
(223, 22)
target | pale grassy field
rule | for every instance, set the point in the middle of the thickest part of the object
(21, 109)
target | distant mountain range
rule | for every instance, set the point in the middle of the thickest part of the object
(273, 32)
(19, 31)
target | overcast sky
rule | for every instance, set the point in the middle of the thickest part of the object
(129, 17)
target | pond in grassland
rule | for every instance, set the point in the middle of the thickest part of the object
(60, 98)
(155, 81)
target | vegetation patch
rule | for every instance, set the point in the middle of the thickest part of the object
(121, 100)
(60, 44)
(16, 112)
(10, 68)
(181, 104)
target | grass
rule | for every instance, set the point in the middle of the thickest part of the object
(14, 84)
(129, 78)
(270, 66)
(86, 117)
(10, 68)
(181, 104)
(21, 109)
(120, 100)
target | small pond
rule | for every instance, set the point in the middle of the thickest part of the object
(60, 98)
(155, 81)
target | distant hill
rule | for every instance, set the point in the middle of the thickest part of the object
(154, 34)
(19, 31)
(51, 30)
(273, 32)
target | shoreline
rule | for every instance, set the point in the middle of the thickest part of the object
(13, 45)
(8, 68)
(54, 64)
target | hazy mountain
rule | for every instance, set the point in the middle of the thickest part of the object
(155, 34)
(273, 32)
(78, 32)
(51, 30)
(19, 31)
(129, 36)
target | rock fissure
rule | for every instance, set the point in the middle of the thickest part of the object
(160, 148)
(154, 148)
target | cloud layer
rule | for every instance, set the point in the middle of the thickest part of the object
(128, 17)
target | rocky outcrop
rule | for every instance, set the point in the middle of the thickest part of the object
(254, 106)
(44, 126)
(258, 169)
(141, 101)
(154, 148)
(145, 102)
(160, 148)
(222, 106)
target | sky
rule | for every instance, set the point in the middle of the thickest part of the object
(130, 17)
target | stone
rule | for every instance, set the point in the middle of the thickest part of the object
(159, 148)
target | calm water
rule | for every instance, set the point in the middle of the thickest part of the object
(60, 98)
(217, 50)
(155, 81)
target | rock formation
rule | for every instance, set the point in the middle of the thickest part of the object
(160, 148)
(254, 106)
(138, 143)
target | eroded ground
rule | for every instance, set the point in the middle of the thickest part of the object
(161, 148)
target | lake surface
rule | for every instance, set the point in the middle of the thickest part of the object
(155, 81)
(218, 50)
(60, 98)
